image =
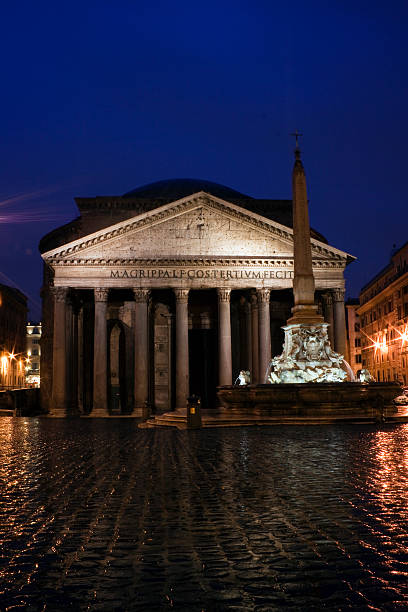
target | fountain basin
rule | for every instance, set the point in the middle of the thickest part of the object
(333, 401)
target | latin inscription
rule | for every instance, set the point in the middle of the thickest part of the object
(197, 273)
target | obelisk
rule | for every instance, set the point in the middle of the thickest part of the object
(304, 310)
(307, 355)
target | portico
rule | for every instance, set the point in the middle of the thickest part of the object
(200, 280)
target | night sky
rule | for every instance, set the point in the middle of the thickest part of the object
(100, 97)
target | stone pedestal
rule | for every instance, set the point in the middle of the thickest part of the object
(307, 357)
(100, 382)
(224, 337)
(141, 389)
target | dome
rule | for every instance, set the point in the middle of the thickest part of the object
(175, 189)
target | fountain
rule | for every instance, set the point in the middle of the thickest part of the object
(309, 379)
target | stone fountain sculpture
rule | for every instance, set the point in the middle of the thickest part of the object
(307, 355)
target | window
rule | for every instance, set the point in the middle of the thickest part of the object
(357, 342)
(399, 312)
(406, 309)
(358, 358)
(35, 341)
(356, 327)
(405, 290)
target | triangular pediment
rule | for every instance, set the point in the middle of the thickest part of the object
(197, 226)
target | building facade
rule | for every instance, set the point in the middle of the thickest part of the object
(353, 353)
(171, 290)
(383, 315)
(33, 347)
(13, 318)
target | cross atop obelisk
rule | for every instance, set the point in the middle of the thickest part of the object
(296, 134)
(304, 310)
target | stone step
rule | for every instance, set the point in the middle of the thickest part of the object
(225, 418)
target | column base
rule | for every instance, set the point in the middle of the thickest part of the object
(181, 410)
(142, 410)
(99, 412)
(57, 414)
(58, 410)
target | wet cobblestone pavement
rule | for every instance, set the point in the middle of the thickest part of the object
(100, 515)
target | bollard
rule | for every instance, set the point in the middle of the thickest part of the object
(194, 412)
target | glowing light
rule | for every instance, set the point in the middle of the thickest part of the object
(403, 336)
(377, 344)
(29, 353)
(4, 364)
(12, 356)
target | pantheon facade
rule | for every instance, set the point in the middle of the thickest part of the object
(169, 291)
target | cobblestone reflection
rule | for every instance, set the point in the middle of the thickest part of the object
(100, 515)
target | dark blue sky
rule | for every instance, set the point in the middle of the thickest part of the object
(99, 97)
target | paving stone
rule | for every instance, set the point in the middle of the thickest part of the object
(118, 518)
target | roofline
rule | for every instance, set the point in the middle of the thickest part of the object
(384, 269)
(169, 205)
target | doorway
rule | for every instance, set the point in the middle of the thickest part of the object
(203, 365)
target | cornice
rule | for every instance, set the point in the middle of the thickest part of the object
(180, 262)
(172, 210)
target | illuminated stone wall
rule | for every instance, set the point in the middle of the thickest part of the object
(13, 318)
(383, 316)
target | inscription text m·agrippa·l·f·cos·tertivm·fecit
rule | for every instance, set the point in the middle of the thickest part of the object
(198, 273)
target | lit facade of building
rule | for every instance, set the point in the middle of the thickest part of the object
(33, 364)
(13, 318)
(171, 290)
(353, 355)
(383, 315)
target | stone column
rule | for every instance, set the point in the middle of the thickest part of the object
(224, 337)
(70, 348)
(80, 364)
(329, 315)
(141, 352)
(248, 339)
(72, 344)
(339, 322)
(182, 365)
(255, 338)
(100, 382)
(59, 363)
(264, 332)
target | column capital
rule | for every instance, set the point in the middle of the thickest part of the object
(338, 295)
(264, 295)
(101, 294)
(224, 294)
(181, 294)
(141, 295)
(60, 293)
(327, 298)
(254, 299)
